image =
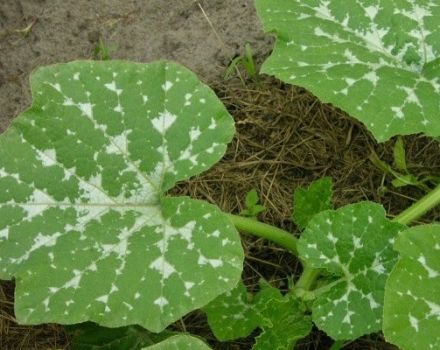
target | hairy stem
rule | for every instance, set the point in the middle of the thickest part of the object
(283, 238)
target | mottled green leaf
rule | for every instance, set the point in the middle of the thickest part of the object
(237, 313)
(232, 315)
(377, 60)
(180, 342)
(354, 243)
(86, 227)
(307, 202)
(412, 292)
(288, 324)
(90, 336)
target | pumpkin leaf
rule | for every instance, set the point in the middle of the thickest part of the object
(377, 60)
(412, 299)
(355, 244)
(90, 336)
(287, 323)
(180, 342)
(86, 226)
(237, 314)
(307, 202)
(232, 315)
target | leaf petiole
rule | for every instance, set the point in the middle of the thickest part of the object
(419, 208)
(281, 237)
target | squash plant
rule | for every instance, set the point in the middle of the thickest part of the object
(378, 61)
(89, 232)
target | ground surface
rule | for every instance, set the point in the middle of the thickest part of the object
(203, 35)
(285, 137)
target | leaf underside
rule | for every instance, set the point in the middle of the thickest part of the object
(281, 318)
(377, 60)
(89, 336)
(85, 225)
(355, 244)
(412, 298)
(180, 342)
(307, 202)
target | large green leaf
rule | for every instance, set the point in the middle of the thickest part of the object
(376, 59)
(307, 202)
(281, 318)
(355, 244)
(412, 292)
(86, 227)
(180, 342)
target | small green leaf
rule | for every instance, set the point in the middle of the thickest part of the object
(377, 60)
(412, 297)
(289, 324)
(251, 198)
(309, 202)
(400, 154)
(232, 315)
(89, 336)
(400, 180)
(236, 314)
(249, 62)
(405, 180)
(252, 206)
(86, 226)
(355, 244)
(180, 342)
(381, 165)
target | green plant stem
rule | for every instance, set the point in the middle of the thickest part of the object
(282, 238)
(419, 208)
(307, 278)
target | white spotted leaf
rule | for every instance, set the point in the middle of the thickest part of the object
(86, 226)
(355, 244)
(233, 315)
(180, 342)
(412, 298)
(377, 60)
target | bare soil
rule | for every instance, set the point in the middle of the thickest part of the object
(285, 137)
(203, 35)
